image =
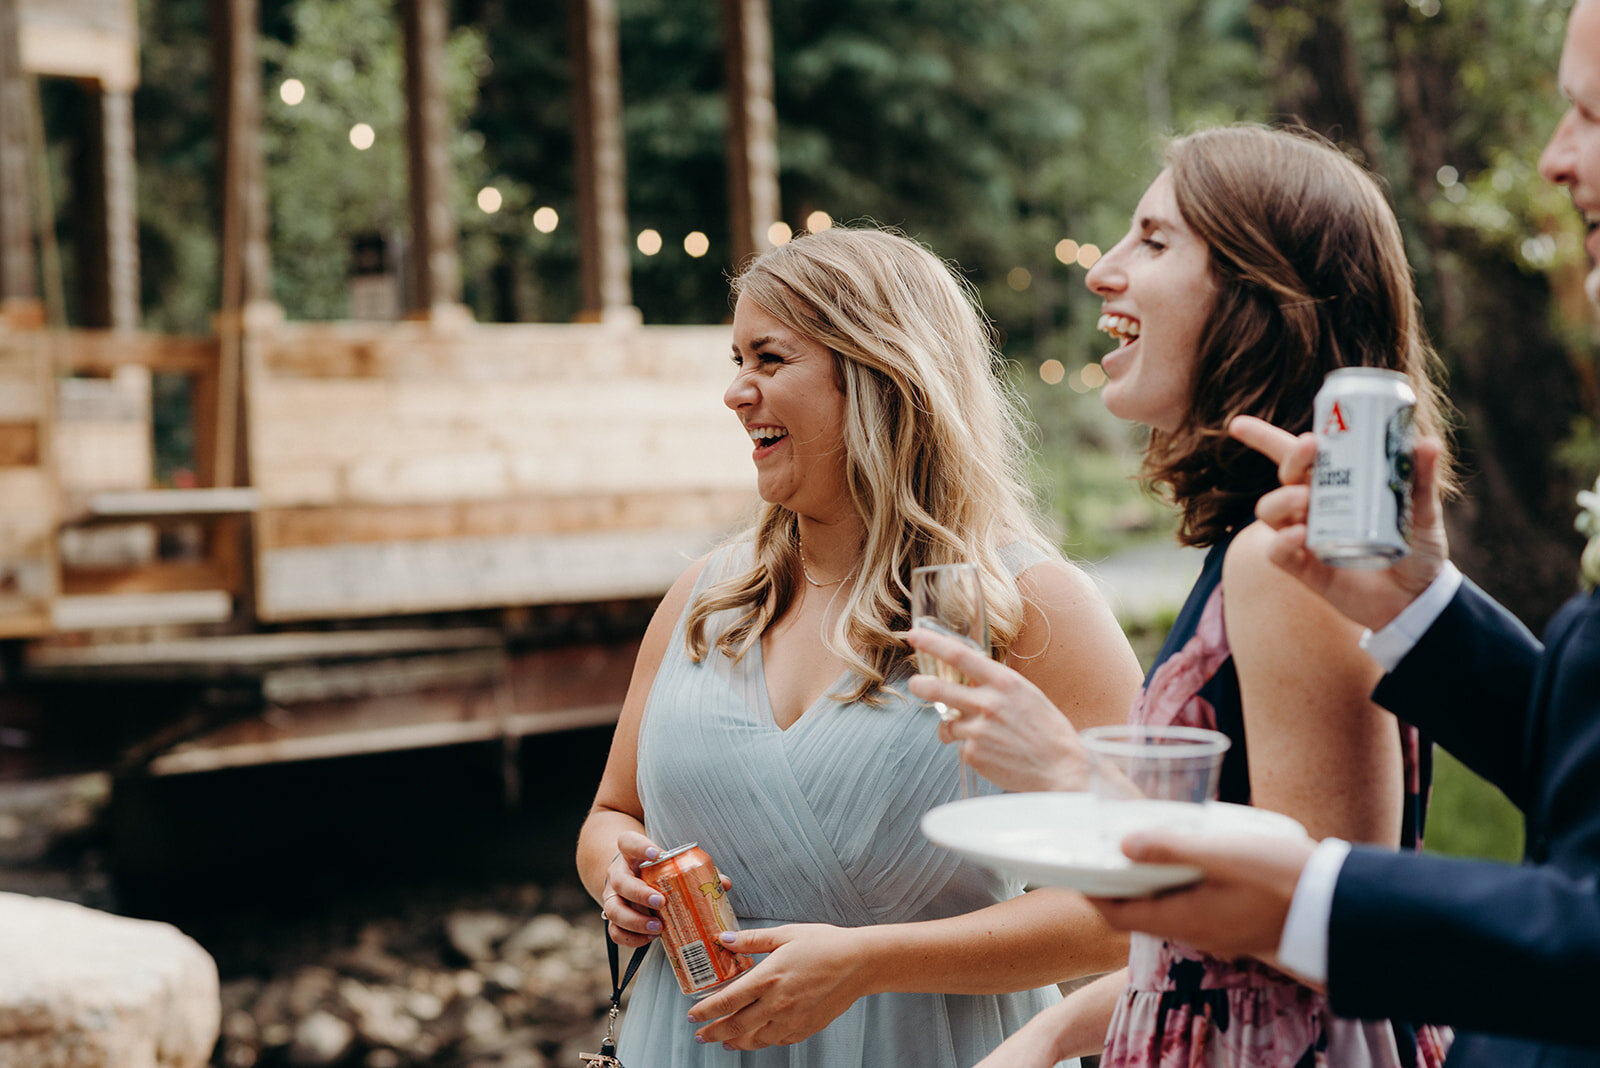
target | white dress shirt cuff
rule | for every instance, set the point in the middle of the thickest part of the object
(1390, 645)
(1303, 948)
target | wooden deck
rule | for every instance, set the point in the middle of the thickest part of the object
(399, 474)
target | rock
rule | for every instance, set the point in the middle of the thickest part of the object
(474, 934)
(540, 935)
(320, 1039)
(311, 986)
(83, 988)
(380, 1018)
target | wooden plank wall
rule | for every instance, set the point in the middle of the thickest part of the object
(407, 468)
(29, 502)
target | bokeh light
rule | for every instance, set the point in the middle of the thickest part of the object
(292, 91)
(1019, 278)
(489, 200)
(649, 241)
(361, 136)
(779, 233)
(545, 219)
(819, 221)
(696, 243)
(1088, 256)
(1067, 251)
(1094, 376)
(1052, 372)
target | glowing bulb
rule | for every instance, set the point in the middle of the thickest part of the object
(489, 200)
(546, 220)
(696, 244)
(649, 242)
(292, 91)
(779, 233)
(361, 136)
(819, 221)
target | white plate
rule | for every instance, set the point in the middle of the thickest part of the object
(1074, 839)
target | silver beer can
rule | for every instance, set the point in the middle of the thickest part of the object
(1365, 423)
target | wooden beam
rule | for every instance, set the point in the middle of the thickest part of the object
(299, 527)
(100, 352)
(165, 576)
(603, 241)
(17, 279)
(435, 264)
(101, 611)
(752, 127)
(123, 505)
(251, 652)
(108, 244)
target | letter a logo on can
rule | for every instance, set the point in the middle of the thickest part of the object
(1335, 423)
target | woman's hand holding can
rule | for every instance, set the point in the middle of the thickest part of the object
(628, 902)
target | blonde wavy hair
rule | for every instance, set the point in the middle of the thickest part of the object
(935, 455)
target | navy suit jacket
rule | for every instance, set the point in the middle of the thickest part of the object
(1508, 955)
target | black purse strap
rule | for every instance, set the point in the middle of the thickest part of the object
(608, 1047)
(633, 966)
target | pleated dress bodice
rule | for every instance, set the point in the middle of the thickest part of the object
(818, 822)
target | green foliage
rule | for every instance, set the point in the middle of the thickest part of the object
(323, 190)
(1468, 817)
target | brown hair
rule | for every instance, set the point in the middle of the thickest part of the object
(1311, 275)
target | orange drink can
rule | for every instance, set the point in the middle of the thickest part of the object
(694, 912)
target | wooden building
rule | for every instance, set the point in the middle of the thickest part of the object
(400, 534)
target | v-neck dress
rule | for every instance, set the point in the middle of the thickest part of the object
(816, 823)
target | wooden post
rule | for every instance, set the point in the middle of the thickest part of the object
(435, 289)
(752, 127)
(18, 287)
(108, 250)
(607, 286)
(246, 256)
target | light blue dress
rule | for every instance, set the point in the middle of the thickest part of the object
(816, 823)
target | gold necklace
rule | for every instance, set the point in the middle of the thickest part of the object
(820, 585)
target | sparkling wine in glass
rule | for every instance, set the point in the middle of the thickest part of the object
(948, 598)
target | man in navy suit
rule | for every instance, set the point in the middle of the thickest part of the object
(1508, 955)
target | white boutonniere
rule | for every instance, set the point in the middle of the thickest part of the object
(1588, 525)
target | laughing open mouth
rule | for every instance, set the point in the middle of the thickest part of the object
(1120, 327)
(764, 436)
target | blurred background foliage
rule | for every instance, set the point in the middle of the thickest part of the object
(993, 131)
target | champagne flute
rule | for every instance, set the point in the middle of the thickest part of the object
(948, 598)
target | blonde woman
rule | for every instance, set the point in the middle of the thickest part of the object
(768, 717)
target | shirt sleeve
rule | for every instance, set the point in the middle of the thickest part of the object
(1303, 949)
(1390, 645)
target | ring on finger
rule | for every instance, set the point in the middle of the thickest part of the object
(947, 714)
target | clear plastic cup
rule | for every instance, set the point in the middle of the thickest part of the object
(1155, 763)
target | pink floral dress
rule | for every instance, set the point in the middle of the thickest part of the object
(1184, 1009)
